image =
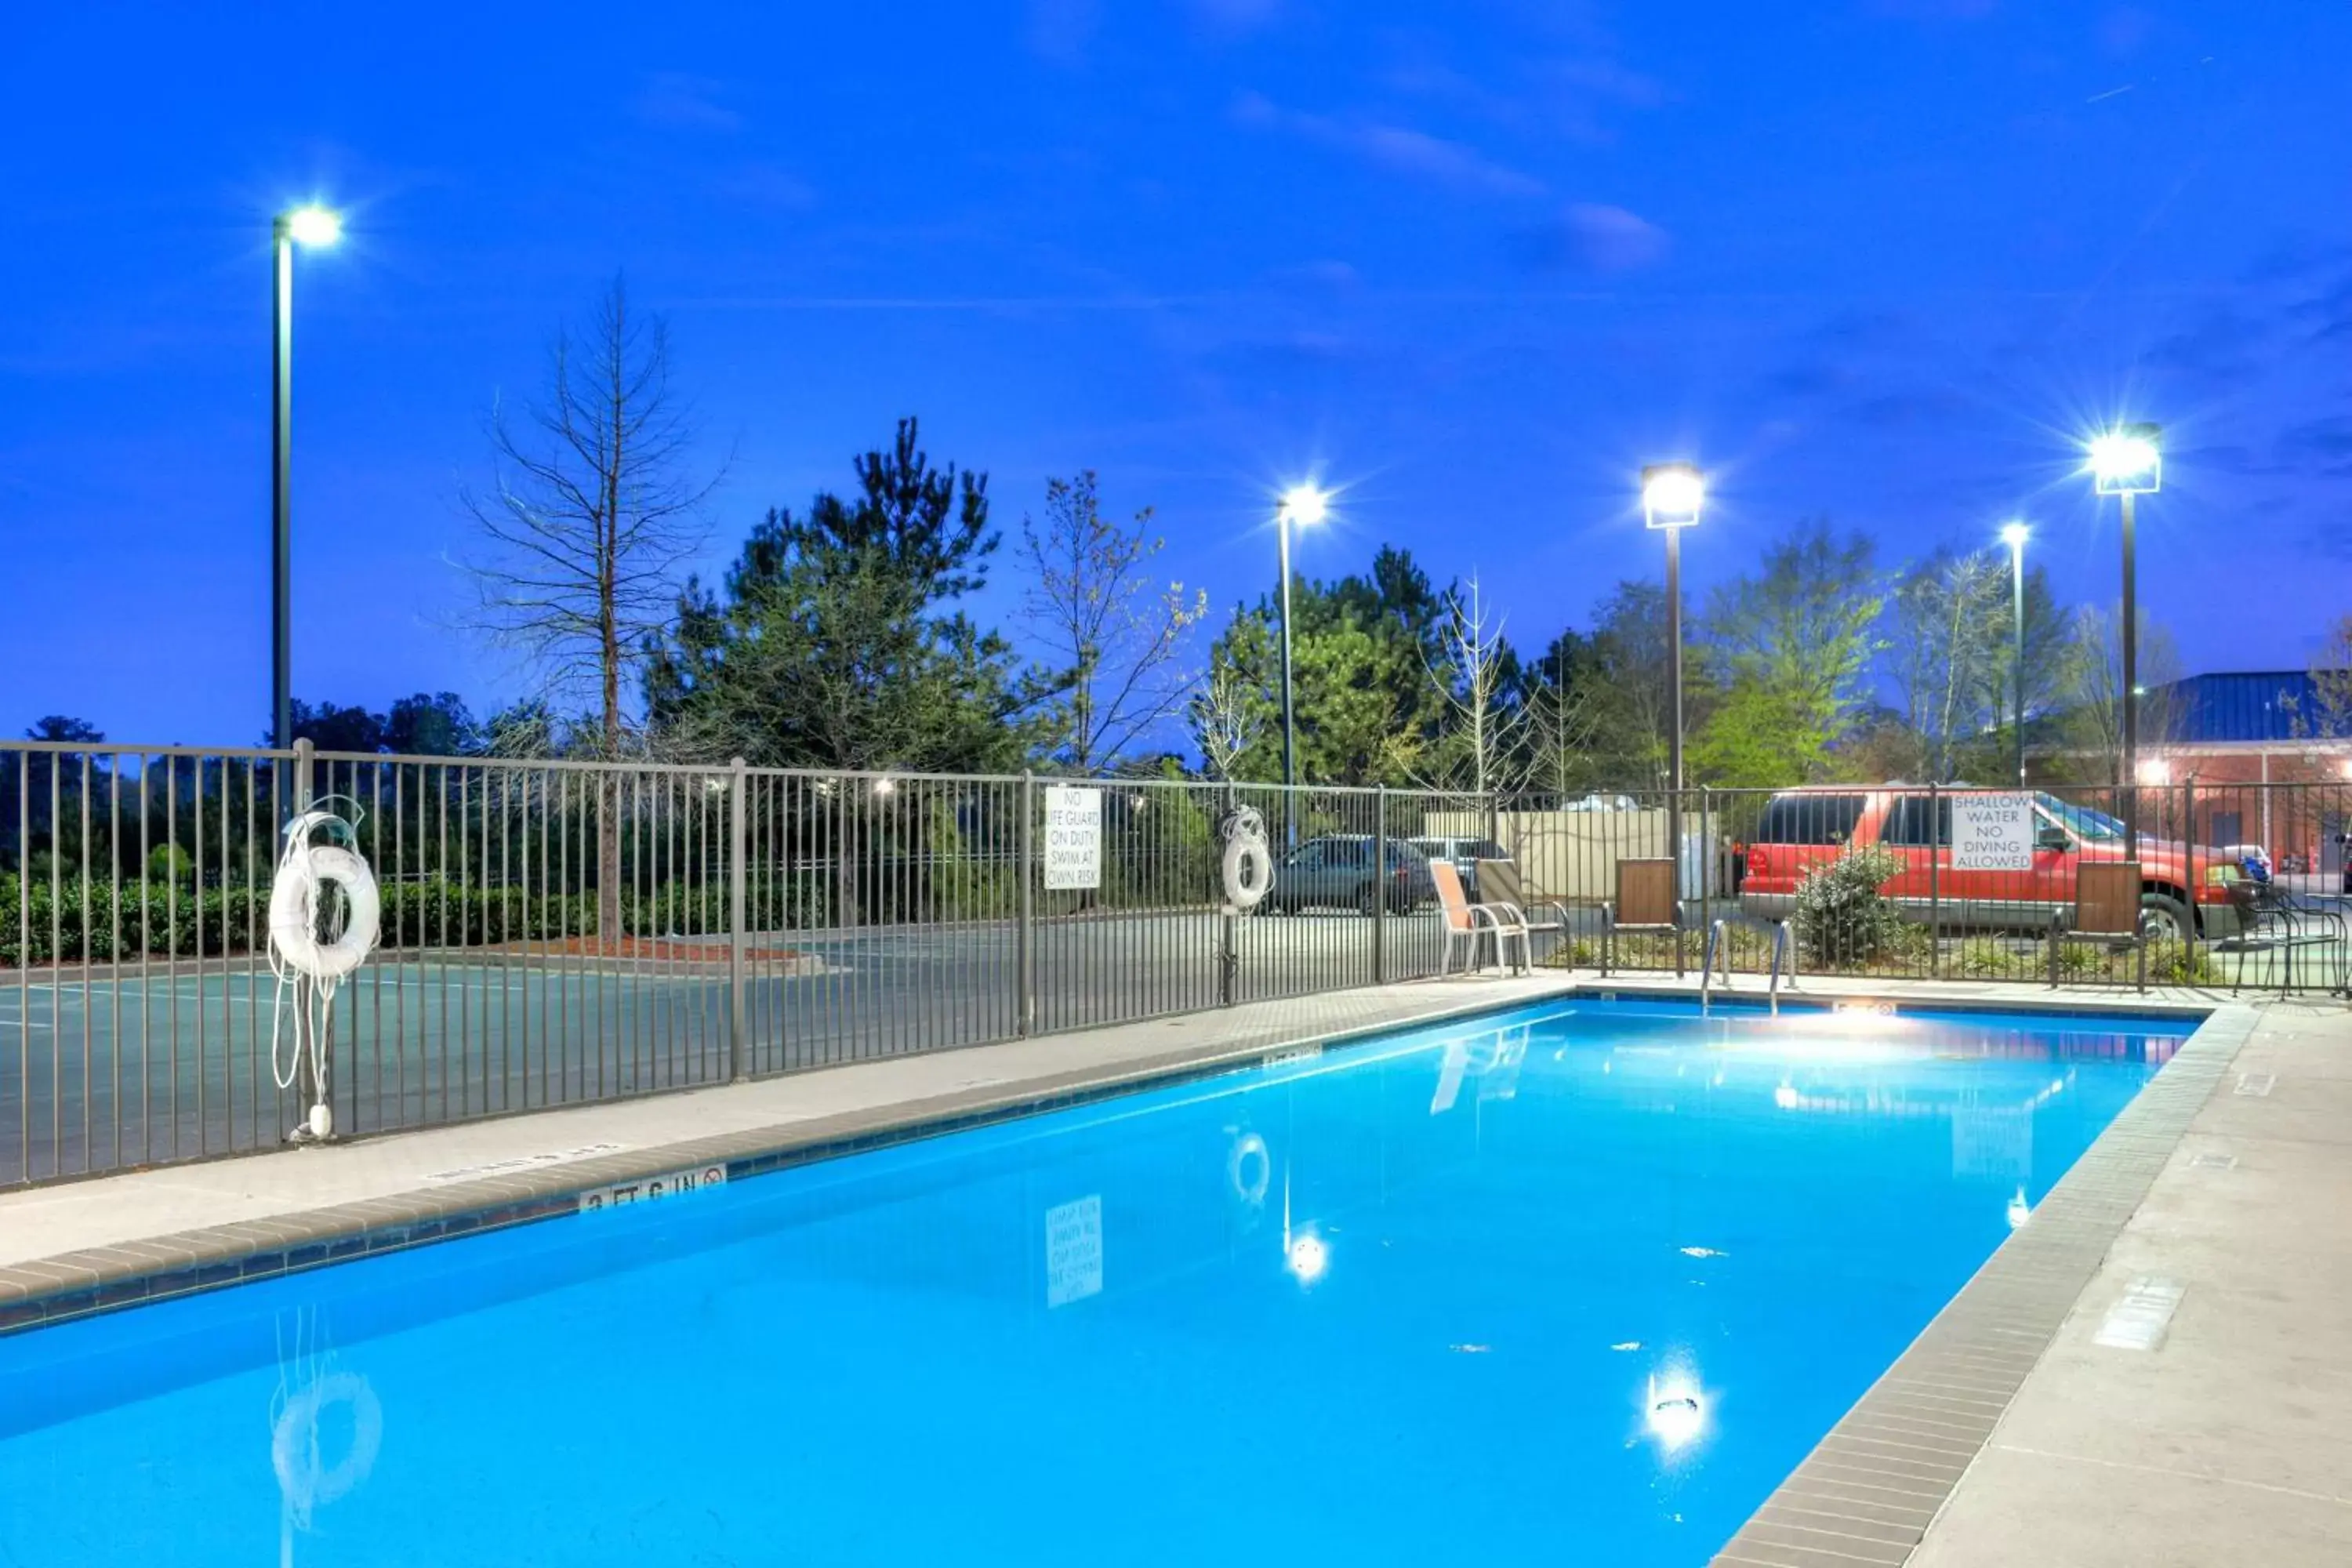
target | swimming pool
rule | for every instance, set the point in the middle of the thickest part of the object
(1585, 1280)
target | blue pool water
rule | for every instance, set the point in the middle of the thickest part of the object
(1566, 1285)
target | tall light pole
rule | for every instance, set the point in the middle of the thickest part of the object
(1302, 506)
(2014, 536)
(2128, 461)
(310, 226)
(1671, 494)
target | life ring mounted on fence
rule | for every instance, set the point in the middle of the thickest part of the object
(304, 874)
(1248, 863)
(311, 966)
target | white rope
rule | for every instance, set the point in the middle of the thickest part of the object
(299, 957)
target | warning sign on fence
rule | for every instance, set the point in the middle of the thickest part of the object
(1992, 833)
(1073, 837)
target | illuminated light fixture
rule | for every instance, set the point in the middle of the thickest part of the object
(2128, 460)
(1675, 1412)
(1304, 505)
(2154, 771)
(1309, 1257)
(1671, 495)
(1786, 1097)
(313, 226)
(2019, 1211)
(885, 786)
(2015, 534)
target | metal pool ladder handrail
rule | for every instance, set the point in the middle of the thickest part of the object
(1782, 948)
(1718, 942)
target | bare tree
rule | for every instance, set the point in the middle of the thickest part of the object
(1221, 717)
(593, 506)
(1563, 721)
(1471, 666)
(2097, 694)
(1116, 634)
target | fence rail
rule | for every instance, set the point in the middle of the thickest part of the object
(558, 932)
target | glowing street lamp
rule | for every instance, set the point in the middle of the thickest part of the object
(1303, 506)
(1671, 495)
(2014, 535)
(2128, 461)
(311, 226)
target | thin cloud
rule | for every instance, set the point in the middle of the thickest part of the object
(1400, 149)
(676, 101)
(1593, 236)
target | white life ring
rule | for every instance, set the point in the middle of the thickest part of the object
(1250, 1190)
(304, 1479)
(1249, 870)
(294, 910)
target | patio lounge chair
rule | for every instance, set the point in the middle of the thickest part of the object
(1469, 922)
(2106, 912)
(1645, 903)
(1498, 883)
(2280, 921)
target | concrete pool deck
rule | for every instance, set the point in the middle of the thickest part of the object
(2228, 1440)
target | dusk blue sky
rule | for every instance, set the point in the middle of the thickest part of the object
(1879, 260)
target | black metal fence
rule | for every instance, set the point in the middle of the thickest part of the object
(558, 932)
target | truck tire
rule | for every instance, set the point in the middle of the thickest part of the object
(2163, 917)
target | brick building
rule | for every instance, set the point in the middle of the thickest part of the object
(2253, 751)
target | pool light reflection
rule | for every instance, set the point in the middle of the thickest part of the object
(1308, 1257)
(1675, 1410)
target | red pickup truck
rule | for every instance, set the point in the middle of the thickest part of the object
(1802, 829)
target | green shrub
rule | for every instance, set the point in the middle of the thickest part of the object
(1842, 920)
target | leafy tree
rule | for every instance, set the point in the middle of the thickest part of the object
(426, 725)
(334, 728)
(1360, 654)
(41, 798)
(1120, 637)
(1794, 644)
(2329, 715)
(1951, 657)
(435, 724)
(836, 641)
(1946, 619)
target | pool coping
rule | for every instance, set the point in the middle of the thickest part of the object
(1873, 1485)
(39, 1291)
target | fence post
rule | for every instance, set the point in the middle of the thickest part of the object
(303, 1055)
(2189, 847)
(1706, 875)
(1025, 942)
(738, 911)
(1935, 883)
(1381, 884)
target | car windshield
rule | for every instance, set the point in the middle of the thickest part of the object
(2080, 820)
